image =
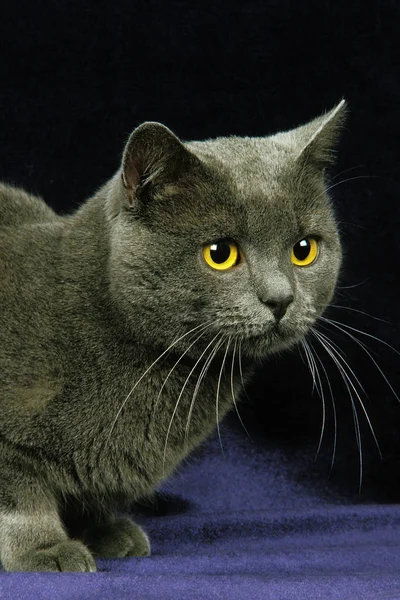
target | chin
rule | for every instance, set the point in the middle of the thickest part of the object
(260, 346)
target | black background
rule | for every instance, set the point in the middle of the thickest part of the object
(77, 77)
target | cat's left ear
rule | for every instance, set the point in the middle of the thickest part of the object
(316, 141)
(153, 158)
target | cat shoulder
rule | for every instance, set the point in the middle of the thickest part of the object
(17, 207)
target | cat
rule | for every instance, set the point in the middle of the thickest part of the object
(127, 328)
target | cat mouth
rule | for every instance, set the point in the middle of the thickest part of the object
(274, 331)
(276, 337)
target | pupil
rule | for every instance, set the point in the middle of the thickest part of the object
(220, 252)
(302, 250)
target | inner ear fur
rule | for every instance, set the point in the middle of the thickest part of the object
(318, 139)
(153, 156)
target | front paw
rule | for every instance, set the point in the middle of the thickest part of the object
(118, 539)
(65, 556)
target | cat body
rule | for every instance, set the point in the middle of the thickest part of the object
(121, 326)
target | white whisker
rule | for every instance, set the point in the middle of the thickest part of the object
(350, 287)
(201, 376)
(333, 405)
(175, 365)
(148, 369)
(329, 188)
(362, 333)
(217, 395)
(346, 380)
(340, 355)
(179, 398)
(320, 391)
(326, 328)
(310, 365)
(366, 350)
(361, 312)
(346, 171)
(233, 391)
(345, 365)
(241, 370)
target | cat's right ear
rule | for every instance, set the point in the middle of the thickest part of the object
(153, 158)
(316, 141)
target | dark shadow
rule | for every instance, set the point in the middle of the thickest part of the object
(161, 504)
(284, 412)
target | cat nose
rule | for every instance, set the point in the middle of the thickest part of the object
(279, 306)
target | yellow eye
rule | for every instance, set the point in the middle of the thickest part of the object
(222, 254)
(305, 252)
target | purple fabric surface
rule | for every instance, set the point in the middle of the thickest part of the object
(249, 523)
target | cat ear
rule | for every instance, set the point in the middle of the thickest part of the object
(153, 156)
(317, 140)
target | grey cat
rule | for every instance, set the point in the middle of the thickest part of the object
(122, 325)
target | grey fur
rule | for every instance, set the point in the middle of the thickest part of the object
(89, 301)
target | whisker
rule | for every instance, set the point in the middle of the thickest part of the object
(326, 328)
(320, 391)
(361, 332)
(367, 351)
(339, 354)
(346, 381)
(310, 366)
(148, 369)
(180, 396)
(337, 183)
(350, 179)
(346, 171)
(345, 365)
(350, 287)
(241, 371)
(202, 374)
(175, 365)
(233, 391)
(217, 395)
(361, 312)
(333, 405)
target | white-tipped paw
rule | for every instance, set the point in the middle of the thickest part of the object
(69, 555)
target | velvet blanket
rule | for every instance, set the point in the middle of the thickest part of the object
(248, 523)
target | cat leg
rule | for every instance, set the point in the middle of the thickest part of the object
(116, 538)
(32, 537)
(107, 535)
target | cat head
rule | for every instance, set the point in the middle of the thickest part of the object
(234, 234)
